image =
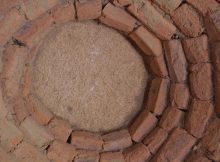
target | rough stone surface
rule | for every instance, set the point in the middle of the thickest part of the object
(112, 157)
(158, 66)
(90, 156)
(167, 5)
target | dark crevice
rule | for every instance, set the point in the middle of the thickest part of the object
(69, 140)
(18, 42)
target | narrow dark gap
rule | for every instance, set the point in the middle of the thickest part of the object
(18, 42)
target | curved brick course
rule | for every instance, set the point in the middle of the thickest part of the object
(179, 121)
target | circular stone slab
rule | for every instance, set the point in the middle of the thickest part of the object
(90, 75)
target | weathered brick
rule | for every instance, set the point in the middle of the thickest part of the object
(179, 95)
(216, 56)
(137, 153)
(8, 157)
(112, 157)
(155, 139)
(88, 9)
(176, 60)
(204, 7)
(142, 125)
(197, 158)
(61, 151)
(10, 22)
(117, 18)
(34, 31)
(201, 81)
(28, 153)
(86, 156)
(199, 114)
(147, 42)
(153, 20)
(86, 140)
(3, 109)
(176, 148)
(61, 129)
(157, 98)
(121, 3)
(35, 8)
(20, 109)
(6, 5)
(196, 49)
(158, 66)
(117, 140)
(167, 5)
(36, 133)
(217, 92)
(188, 21)
(171, 118)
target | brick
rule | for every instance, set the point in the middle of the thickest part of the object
(176, 148)
(167, 5)
(27, 82)
(121, 3)
(176, 60)
(88, 9)
(142, 125)
(153, 20)
(188, 21)
(117, 140)
(112, 157)
(217, 92)
(27, 153)
(34, 31)
(61, 151)
(35, 8)
(20, 109)
(38, 110)
(7, 5)
(179, 95)
(197, 158)
(201, 81)
(63, 13)
(158, 66)
(36, 133)
(155, 139)
(196, 49)
(86, 140)
(10, 135)
(12, 71)
(84, 156)
(204, 7)
(7, 157)
(3, 109)
(171, 118)
(157, 97)
(61, 129)
(216, 56)
(199, 114)
(147, 42)
(138, 153)
(118, 18)
(10, 22)
(211, 140)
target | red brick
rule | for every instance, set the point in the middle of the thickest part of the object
(142, 125)
(63, 13)
(14, 63)
(157, 96)
(204, 6)
(20, 109)
(88, 9)
(3, 109)
(147, 42)
(121, 3)
(137, 153)
(86, 140)
(36, 133)
(155, 139)
(6, 5)
(171, 118)
(153, 20)
(112, 157)
(167, 5)
(197, 158)
(196, 49)
(188, 21)
(158, 66)
(27, 82)
(201, 81)
(117, 140)
(176, 60)
(29, 153)
(211, 140)
(34, 8)
(216, 56)
(86, 156)
(34, 31)
(176, 148)
(179, 95)
(199, 114)
(10, 22)
(217, 92)
(118, 18)
(8, 157)
(10, 135)
(61, 152)
(61, 129)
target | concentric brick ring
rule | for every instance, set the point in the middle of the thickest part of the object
(178, 121)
